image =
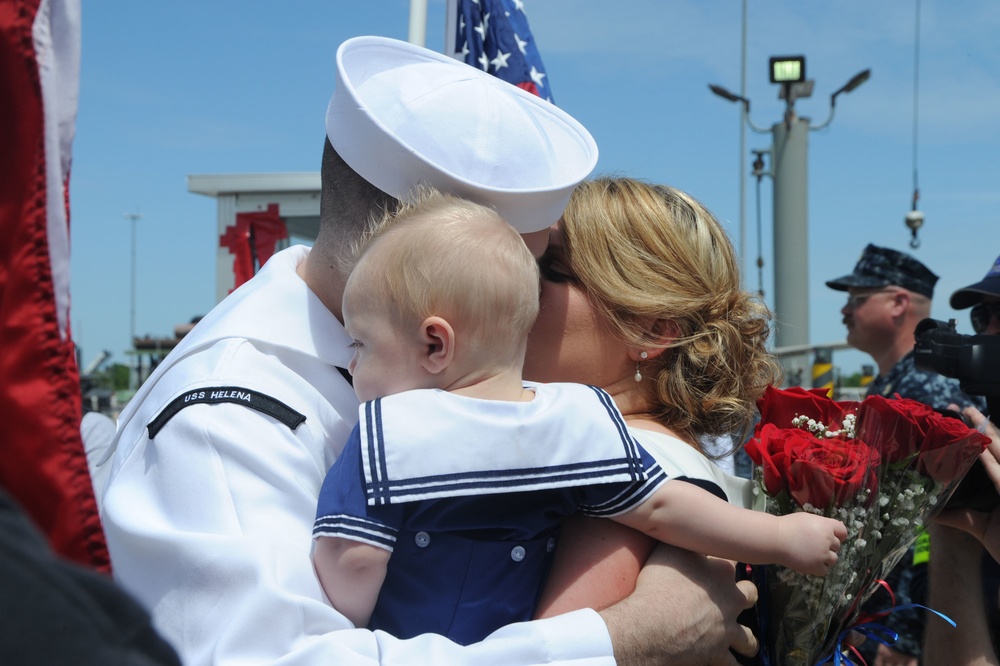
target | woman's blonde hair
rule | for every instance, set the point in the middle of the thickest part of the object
(662, 272)
(445, 256)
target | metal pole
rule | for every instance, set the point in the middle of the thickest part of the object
(418, 22)
(133, 378)
(791, 237)
(743, 141)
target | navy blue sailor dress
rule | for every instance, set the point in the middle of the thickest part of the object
(468, 496)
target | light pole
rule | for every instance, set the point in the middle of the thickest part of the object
(133, 375)
(789, 172)
(418, 22)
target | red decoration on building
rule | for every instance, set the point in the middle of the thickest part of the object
(252, 241)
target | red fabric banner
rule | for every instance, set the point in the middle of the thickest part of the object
(42, 460)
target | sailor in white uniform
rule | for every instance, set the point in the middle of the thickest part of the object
(211, 484)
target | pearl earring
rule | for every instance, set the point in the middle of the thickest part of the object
(638, 375)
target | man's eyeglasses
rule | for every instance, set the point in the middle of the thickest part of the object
(854, 301)
(981, 315)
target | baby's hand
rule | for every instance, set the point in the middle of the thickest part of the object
(810, 542)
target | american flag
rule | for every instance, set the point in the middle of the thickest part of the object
(493, 35)
(44, 465)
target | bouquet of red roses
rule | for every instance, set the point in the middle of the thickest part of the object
(881, 466)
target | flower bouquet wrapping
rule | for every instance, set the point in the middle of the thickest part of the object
(883, 467)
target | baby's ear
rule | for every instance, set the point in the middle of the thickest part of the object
(439, 339)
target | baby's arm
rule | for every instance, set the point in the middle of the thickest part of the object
(351, 574)
(685, 515)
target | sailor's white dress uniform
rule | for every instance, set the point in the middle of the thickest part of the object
(468, 494)
(209, 510)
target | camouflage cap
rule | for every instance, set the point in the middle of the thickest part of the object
(881, 267)
(966, 297)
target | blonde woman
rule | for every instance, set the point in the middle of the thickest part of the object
(642, 296)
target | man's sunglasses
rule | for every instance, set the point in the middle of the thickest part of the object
(981, 315)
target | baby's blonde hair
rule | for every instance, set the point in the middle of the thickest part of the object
(445, 256)
(647, 253)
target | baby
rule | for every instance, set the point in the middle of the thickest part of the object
(442, 511)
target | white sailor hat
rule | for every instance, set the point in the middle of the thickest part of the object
(403, 116)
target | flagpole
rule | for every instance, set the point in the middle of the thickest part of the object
(133, 375)
(418, 22)
(743, 141)
(450, 21)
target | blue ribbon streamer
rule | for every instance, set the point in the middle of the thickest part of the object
(875, 631)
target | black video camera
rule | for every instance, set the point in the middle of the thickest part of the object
(974, 360)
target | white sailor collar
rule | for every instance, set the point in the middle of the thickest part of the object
(444, 445)
(282, 311)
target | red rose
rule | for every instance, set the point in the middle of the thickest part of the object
(832, 472)
(820, 472)
(767, 450)
(895, 427)
(949, 448)
(900, 428)
(780, 406)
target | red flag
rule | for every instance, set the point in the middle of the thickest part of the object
(42, 461)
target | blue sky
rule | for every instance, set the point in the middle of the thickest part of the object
(193, 87)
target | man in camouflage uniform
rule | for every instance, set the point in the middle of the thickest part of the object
(889, 293)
